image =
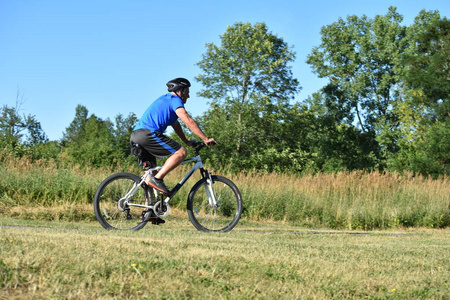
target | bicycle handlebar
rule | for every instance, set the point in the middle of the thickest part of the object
(199, 145)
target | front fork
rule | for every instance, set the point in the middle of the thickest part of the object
(209, 188)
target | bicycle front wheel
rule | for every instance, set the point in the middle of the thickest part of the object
(110, 208)
(222, 217)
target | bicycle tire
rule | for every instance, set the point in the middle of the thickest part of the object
(225, 216)
(106, 203)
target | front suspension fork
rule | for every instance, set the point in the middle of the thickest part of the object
(209, 188)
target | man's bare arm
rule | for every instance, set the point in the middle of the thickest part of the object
(192, 125)
(179, 131)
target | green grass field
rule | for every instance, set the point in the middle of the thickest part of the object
(258, 260)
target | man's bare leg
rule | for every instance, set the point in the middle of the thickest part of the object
(172, 162)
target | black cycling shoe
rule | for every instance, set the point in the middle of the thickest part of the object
(149, 216)
(159, 185)
(156, 220)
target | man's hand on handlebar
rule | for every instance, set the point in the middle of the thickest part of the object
(210, 142)
(207, 142)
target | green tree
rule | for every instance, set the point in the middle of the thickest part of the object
(250, 84)
(423, 134)
(17, 130)
(359, 56)
(77, 126)
(362, 58)
(91, 140)
(11, 126)
(88, 139)
(427, 59)
(123, 127)
(334, 141)
(393, 82)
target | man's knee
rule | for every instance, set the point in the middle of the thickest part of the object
(182, 152)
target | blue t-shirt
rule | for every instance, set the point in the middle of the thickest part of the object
(160, 114)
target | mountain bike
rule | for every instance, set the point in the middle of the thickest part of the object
(124, 201)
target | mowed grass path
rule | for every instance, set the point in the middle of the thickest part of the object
(57, 260)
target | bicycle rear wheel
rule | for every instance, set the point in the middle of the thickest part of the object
(227, 212)
(109, 207)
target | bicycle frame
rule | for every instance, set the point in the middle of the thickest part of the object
(198, 165)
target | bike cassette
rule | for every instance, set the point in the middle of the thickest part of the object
(161, 209)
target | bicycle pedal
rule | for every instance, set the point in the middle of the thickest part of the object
(150, 217)
(156, 221)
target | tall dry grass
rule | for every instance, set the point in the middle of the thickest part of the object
(351, 200)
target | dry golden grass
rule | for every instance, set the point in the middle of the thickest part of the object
(352, 200)
(345, 200)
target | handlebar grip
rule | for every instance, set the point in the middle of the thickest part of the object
(199, 145)
(211, 144)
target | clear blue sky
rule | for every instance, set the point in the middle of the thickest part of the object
(116, 56)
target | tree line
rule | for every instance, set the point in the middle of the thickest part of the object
(385, 105)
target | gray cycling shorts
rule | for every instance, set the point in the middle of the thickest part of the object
(155, 143)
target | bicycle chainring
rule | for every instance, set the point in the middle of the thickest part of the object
(161, 209)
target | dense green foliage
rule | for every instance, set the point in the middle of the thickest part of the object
(392, 82)
(87, 141)
(20, 133)
(385, 105)
(90, 140)
(250, 84)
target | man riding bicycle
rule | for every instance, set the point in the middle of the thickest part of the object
(149, 131)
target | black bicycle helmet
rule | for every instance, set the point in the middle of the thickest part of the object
(177, 84)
